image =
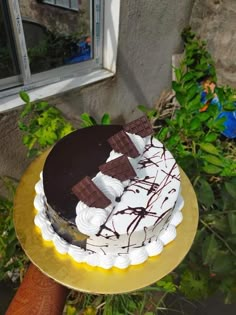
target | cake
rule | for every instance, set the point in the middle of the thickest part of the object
(109, 195)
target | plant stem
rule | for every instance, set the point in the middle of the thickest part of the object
(195, 181)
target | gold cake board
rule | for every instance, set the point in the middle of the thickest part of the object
(82, 277)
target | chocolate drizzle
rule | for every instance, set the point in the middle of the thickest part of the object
(151, 216)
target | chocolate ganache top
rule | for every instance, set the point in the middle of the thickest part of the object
(75, 156)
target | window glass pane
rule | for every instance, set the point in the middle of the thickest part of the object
(54, 36)
(75, 4)
(8, 62)
(64, 3)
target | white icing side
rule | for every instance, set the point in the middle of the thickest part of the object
(177, 218)
(168, 234)
(148, 211)
(138, 256)
(107, 261)
(39, 202)
(39, 187)
(92, 260)
(61, 245)
(122, 262)
(48, 232)
(154, 248)
(77, 253)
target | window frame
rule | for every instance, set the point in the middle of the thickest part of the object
(87, 74)
(59, 6)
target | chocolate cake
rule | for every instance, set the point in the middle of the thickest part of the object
(109, 196)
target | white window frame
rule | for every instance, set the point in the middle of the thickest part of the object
(73, 79)
(64, 6)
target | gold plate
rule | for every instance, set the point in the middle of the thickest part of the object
(80, 276)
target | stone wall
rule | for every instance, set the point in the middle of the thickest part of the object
(215, 22)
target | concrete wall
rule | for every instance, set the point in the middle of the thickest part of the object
(215, 22)
(149, 36)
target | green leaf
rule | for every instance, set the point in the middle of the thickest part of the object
(230, 186)
(181, 98)
(33, 153)
(189, 62)
(70, 310)
(200, 74)
(41, 106)
(209, 148)
(220, 223)
(211, 169)
(22, 126)
(105, 119)
(143, 108)
(218, 124)
(195, 123)
(87, 120)
(26, 139)
(10, 250)
(46, 136)
(230, 106)
(232, 222)
(67, 128)
(193, 285)
(213, 110)
(24, 96)
(151, 113)
(167, 284)
(209, 249)
(178, 74)
(177, 87)
(27, 109)
(31, 143)
(211, 137)
(162, 134)
(195, 104)
(223, 263)
(192, 92)
(205, 193)
(180, 118)
(203, 116)
(173, 140)
(188, 76)
(213, 160)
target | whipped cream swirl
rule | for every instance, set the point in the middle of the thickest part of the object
(90, 219)
(138, 141)
(111, 187)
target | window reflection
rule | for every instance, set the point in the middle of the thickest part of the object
(8, 62)
(55, 35)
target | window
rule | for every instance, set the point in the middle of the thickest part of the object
(68, 4)
(45, 49)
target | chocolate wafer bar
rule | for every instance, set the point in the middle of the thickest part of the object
(86, 191)
(120, 142)
(140, 126)
(119, 168)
